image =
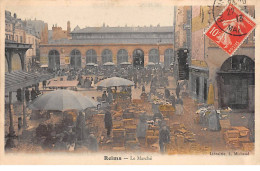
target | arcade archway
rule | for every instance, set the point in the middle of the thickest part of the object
(75, 58)
(16, 62)
(154, 56)
(236, 81)
(122, 56)
(107, 56)
(91, 56)
(168, 57)
(138, 58)
(54, 59)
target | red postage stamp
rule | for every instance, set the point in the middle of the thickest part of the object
(230, 29)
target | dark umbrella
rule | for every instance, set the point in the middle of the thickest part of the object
(62, 100)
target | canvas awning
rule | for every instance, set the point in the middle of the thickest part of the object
(63, 84)
(20, 79)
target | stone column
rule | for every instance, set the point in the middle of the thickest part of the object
(22, 56)
(11, 125)
(24, 108)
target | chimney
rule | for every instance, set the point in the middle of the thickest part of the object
(68, 28)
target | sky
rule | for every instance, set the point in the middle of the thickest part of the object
(94, 14)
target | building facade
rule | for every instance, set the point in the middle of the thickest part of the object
(17, 30)
(137, 45)
(182, 41)
(214, 76)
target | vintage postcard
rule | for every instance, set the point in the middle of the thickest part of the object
(129, 82)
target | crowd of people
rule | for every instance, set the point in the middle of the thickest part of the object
(156, 78)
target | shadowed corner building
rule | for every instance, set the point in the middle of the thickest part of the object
(214, 76)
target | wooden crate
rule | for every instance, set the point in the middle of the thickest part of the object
(128, 115)
(130, 136)
(156, 132)
(243, 131)
(248, 146)
(118, 148)
(137, 101)
(175, 126)
(130, 129)
(150, 133)
(233, 144)
(167, 114)
(128, 122)
(179, 140)
(131, 145)
(150, 140)
(232, 134)
(117, 124)
(118, 132)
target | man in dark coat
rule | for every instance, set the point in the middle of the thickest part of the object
(33, 94)
(80, 126)
(164, 138)
(108, 121)
(172, 100)
(110, 97)
(19, 95)
(178, 89)
(104, 96)
(27, 94)
(167, 93)
(44, 83)
(143, 89)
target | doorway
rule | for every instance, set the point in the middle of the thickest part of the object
(138, 58)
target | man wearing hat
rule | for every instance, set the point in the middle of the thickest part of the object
(164, 137)
(108, 121)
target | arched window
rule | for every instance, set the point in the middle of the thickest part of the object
(122, 56)
(168, 57)
(238, 63)
(91, 56)
(154, 56)
(54, 59)
(16, 62)
(138, 58)
(75, 58)
(107, 56)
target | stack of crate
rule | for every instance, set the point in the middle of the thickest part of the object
(231, 139)
(244, 134)
(225, 125)
(129, 114)
(118, 139)
(196, 148)
(118, 124)
(152, 136)
(97, 123)
(167, 111)
(144, 97)
(130, 137)
(236, 136)
(248, 146)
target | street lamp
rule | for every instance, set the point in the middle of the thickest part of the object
(158, 44)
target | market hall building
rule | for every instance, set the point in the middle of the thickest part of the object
(98, 45)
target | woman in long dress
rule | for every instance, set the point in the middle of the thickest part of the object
(214, 124)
